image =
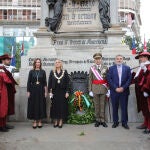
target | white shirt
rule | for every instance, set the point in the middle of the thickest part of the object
(98, 67)
(119, 68)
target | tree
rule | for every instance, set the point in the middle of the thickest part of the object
(138, 43)
(148, 45)
(17, 55)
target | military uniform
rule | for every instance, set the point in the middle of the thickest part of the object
(99, 90)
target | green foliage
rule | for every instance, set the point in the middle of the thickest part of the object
(85, 118)
(17, 56)
(82, 133)
(148, 45)
(128, 41)
(138, 43)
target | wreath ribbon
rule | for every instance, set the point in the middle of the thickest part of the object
(78, 99)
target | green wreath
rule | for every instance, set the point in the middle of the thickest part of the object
(81, 109)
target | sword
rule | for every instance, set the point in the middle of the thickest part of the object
(135, 67)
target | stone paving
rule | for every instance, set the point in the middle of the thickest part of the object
(74, 137)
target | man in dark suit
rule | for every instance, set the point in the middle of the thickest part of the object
(119, 79)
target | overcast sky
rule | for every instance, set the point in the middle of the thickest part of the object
(145, 17)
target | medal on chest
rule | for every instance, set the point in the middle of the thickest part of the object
(59, 78)
(37, 77)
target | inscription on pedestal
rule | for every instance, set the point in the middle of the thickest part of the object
(78, 42)
(108, 61)
(80, 16)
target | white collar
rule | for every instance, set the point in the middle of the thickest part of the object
(142, 65)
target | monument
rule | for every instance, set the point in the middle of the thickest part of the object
(73, 30)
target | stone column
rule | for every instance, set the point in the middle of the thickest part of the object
(114, 12)
(44, 12)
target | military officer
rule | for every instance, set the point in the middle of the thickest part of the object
(98, 88)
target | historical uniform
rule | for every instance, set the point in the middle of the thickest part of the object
(7, 93)
(98, 88)
(142, 89)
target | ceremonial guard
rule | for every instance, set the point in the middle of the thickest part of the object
(7, 93)
(119, 79)
(142, 89)
(98, 88)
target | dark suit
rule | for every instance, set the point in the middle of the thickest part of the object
(113, 80)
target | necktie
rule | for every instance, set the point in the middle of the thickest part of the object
(119, 74)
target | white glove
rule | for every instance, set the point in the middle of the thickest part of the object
(145, 94)
(144, 68)
(142, 65)
(51, 95)
(108, 93)
(91, 93)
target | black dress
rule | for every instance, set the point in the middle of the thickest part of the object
(59, 109)
(36, 102)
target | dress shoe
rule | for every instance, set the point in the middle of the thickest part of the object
(141, 127)
(115, 125)
(104, 124)
(146, 131)
(3, 129)
(125, 126)
(9, 126)
(97, 124)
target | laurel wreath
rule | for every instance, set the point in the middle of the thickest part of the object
(86, 115)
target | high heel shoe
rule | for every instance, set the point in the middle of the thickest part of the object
(55, 125)
(60, 126)
(34, 126)
(40, 126)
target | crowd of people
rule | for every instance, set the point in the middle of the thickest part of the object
(104, 82)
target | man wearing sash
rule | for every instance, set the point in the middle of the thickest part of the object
(98, 88)
(119, 79)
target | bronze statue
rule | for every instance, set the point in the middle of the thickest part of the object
(104, 8)
(51, 3)
(54, 22)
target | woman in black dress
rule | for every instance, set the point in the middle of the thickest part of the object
(36, 92)
(58, 87)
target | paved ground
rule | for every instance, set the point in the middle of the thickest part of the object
(23, 137)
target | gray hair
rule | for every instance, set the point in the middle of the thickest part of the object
(119, 55)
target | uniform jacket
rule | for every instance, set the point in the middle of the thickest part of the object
(98, 88)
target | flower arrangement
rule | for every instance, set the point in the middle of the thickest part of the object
(81, 109)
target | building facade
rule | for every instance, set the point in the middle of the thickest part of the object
(129, 17)
(18, 18)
